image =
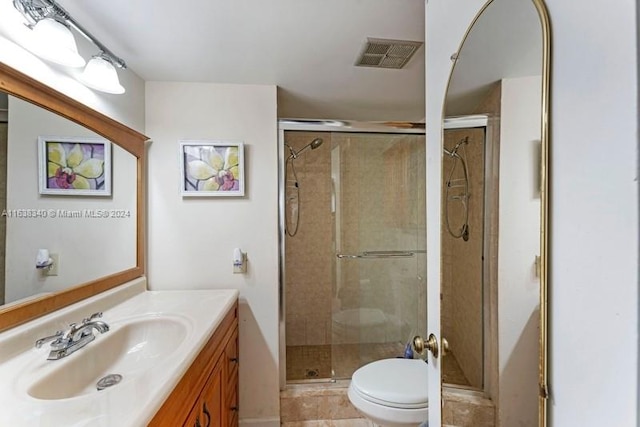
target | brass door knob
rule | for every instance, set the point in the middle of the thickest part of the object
(419, 345)
(445, 347)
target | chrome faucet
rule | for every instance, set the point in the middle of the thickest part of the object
(65, 343)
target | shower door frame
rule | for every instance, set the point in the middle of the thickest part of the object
(314, 126)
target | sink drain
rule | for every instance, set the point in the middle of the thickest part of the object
(108, 381)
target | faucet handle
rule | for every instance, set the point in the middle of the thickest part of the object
(73, 327)
(41, 341)
(92, 317)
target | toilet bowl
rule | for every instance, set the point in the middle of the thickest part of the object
(391, 392)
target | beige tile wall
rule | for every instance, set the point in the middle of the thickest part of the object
(462, 268)
(462, 264)
(309, 254)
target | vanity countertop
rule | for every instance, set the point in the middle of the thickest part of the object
(139, 395)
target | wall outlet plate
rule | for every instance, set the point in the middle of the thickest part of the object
(53, 270)
(241, 268)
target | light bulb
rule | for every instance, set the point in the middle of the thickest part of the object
(54, 42)
(100, 74)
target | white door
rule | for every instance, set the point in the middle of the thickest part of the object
(446, 22)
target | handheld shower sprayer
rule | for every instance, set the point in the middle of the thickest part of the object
(454, 152)
(293, 199)
(462, 197)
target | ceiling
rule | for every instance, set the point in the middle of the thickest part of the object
(306, 47)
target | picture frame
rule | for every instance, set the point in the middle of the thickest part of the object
(74, 166)
(212, 168)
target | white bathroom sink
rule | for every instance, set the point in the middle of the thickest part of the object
(129, 349)
(154, 338)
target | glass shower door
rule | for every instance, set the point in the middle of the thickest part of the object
(378, 204)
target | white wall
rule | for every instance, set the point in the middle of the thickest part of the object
(518, 246)
(191, 240)
(594, 199)
(594, 214)
(81, 243)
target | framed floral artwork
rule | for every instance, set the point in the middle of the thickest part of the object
(212, 168)
(74, 166)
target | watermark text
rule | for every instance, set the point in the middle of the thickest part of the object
(66, 213)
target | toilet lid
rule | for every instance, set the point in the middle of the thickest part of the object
(399, 383)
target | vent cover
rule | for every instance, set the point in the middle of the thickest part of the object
(383, 53)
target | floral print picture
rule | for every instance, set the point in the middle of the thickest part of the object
(212, 168)
(74, 166)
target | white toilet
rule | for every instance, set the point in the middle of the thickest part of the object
(391, 392)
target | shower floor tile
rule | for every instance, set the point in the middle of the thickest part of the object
(309, 362)
(315, 362)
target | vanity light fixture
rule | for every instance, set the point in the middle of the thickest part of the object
(100, 74)
(54, 41)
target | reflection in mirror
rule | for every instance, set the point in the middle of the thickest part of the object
(491, 209)
(4, 133)
(80, 230)
(85, 244)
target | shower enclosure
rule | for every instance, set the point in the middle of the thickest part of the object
(353, 253)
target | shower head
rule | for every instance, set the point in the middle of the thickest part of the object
(317, 142)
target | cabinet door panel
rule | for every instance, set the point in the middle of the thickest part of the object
(211, 399)
(194, 419)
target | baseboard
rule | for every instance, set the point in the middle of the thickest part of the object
(260, 422)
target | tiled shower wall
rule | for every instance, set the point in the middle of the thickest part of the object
(462, 261)
(309, 254)
(463, 276)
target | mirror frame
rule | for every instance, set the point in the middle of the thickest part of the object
(543, 366)
(17, 84)
(543, 369)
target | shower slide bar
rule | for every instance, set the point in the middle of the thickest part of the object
(381, 254)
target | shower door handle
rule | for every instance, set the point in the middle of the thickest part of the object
(378, 254)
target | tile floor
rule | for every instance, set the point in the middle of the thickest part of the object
(327, 405)
(354, 422)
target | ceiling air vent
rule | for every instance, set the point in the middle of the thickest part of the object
(383, 53)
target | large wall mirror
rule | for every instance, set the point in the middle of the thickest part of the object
(98, 240)
(494, 211)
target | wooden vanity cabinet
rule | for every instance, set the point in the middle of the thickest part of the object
(207, 395)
